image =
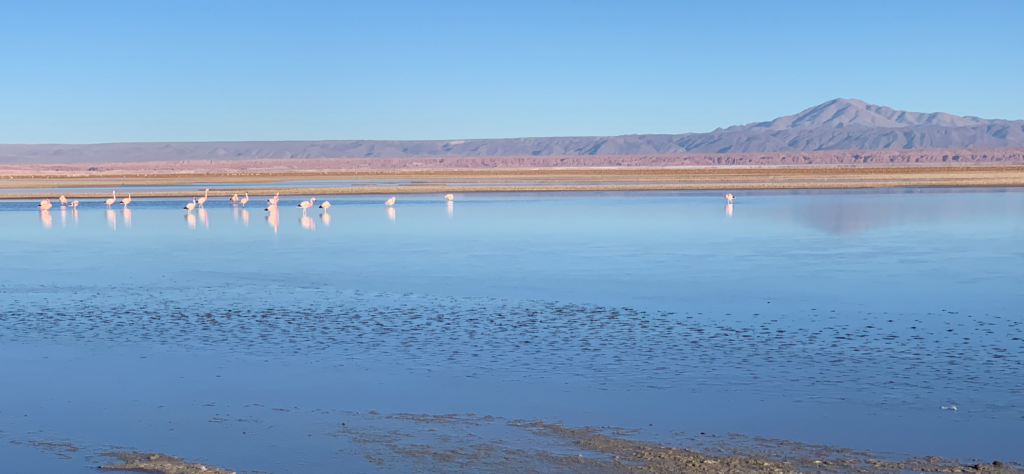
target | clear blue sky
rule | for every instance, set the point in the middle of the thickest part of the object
(83, 72)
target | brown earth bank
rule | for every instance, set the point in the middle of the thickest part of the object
(888, 157)
(40, 186)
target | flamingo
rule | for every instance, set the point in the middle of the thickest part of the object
(243, 200)
(325, 205)
(45, 204)
(110, 201)
(204, 198)
(274, 199)
(390, 201)
(729, 197)
(63, 200)
(271, 208)
(234, 198)
(450, 197)
(127, 200)
(306, 204)
(192, 205)
(74, 203)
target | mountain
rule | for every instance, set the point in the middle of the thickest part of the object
(840, 124)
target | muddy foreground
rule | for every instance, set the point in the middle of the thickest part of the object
(449, 443)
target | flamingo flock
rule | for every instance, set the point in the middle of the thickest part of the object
(272, 206)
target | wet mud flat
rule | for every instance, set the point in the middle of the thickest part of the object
(469, 443)
(84, 184)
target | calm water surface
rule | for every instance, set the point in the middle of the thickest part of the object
(846, 318)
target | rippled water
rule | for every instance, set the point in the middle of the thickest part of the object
(848, 318)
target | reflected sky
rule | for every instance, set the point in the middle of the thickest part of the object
(779, 315)
(650, 248)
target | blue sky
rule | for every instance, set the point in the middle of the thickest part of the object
(86, 72)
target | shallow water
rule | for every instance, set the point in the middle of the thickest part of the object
(841, 317)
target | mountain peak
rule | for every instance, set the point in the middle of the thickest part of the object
(843, 113)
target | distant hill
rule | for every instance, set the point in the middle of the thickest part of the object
(840, 124)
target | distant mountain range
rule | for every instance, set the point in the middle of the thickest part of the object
(840, 124)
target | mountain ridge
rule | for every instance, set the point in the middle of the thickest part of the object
(839, 124)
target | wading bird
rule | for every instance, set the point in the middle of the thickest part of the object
(204, 198)
(45, 204)
(110, 202)
(192, 205)
(390, 201)
(243, 200)
(273, 200)
(74, 203)
(325, 205)
(729, 197)
(63, 200)
(450, 197)
(306, 205)
(234, 198)
(127, 200)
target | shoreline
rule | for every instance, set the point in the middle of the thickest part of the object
(514, 181)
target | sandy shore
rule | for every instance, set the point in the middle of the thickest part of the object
(39, 186)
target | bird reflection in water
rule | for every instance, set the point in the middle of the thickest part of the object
(111, 219)
(63, 216)
(126, 216)
(326, 219)
(391, 213)
(728, 209)
(307, 223)
(451, 209)
(74, 214)
(273, 218)
(204, 218)
(45, 218)
(245, 217)
(191, 220)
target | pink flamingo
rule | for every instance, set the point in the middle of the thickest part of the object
(390, 202)
(325, 205)
(204, 198)
(243, 200)
(127, 200)
(729, 197)
(234, 198)
(192, 205)
(45, 204)
(110, 202)
(74, 203)
(271, 207)
(307, 204)
(274, 199)
(450, 197)
(63, 200)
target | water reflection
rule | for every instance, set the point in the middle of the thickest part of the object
(126, 216)
(45, 219)
(273, 218)
(307, 222)
(245, 217)
(63, 216)
(326, 219)
(74, 214)
(111, 219)
(728, 209)
(191, 220)
(391, 213)
(204, 218)
(854, 214)
(451, 209)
